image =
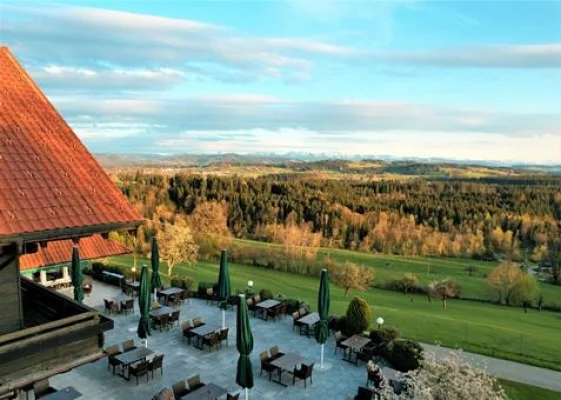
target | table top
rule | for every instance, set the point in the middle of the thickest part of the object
(356, 342)
(310, 319)
(121, 298)
(268, 303)
(158, 312)
(289, 361)
(134, 284)
(133, 356)
(208, 392)
(67, 393)
(204, 330)
(170, 291)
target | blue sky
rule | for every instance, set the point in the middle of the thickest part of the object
(462, 79)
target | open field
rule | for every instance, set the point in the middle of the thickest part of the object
(478, 327)
(427, 269)
(520, 391)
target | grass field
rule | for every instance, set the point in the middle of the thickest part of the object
(520, 391)
(427, 269)
(498, 331)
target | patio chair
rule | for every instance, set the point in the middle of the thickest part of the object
(364, 393)
(42, 388)
(224, 336)
(303, 374)
(176, 300)
(139, 369)
(179, 389)
(302, 311)
(128, 345)
(210, 297)
(251, 306)
(186, 327)
(156, 363)
(184, 297)
(111, 352)
(332, 324)
(295, 317)
(366, 353)
(195, 383)
(275, 353)
(274, 312)
(257, 298)
(339, 339)
(373, 374)
(283, 310)
(198, 321)
(128, 306)
(211, 340)
(174, 318)
(162, 321)
(128, 290)
(266, 364)
(232, 396)
(111, 306)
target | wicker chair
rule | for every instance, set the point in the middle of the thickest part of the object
(186, 327)
(295, 317)
(174, 318)
(211, 340)
(224, 336)
(275, 353)
(195, 383)
(128, 306)
(303, 374)
(179, 389)
(42, 388)
(198, 321)
(266, 364)
(162, 321)
(339, 339)
(156, 363)
(111, 352)
(139, 369)
(111, 306)
(128, 345)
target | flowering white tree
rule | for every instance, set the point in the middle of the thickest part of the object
(449, 378)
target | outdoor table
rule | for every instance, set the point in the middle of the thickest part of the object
(130, 357)
(68, 393)
(135, 285)
(308, 321)
(122, 298)
(287, 362)
(355, 343)
(207, 392)
(166, 293)
(158, 312)
(203, 330)
(265, 305)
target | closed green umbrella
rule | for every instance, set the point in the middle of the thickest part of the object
(77, 278)
(144, 305)
(155, 260)
(244, 343)
(323, 309)
(224, 285)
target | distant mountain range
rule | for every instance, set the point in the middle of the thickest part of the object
(113, 160)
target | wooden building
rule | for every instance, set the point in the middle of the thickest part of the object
(51, 188)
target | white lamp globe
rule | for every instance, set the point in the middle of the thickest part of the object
(250, 283)
(380, 321)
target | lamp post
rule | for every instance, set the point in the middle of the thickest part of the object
(380, 322)
(249, 290)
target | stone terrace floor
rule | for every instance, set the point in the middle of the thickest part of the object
(338, 380)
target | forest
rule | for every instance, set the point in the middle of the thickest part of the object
(501, 218)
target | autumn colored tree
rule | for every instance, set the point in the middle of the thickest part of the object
(350, 276)
(553, 257)
(444, 289)
(177, 246)
(209, 224)
(511, 284)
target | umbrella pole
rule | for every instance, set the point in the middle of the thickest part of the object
(321, 363)
(246, 394)
(223, 319)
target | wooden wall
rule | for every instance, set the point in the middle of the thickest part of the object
(11, 317)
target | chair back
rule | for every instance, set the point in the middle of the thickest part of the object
(194, 381)
(178, 389)
(295, 315)
(185, 295)
(141, 368)
(186, 326)
(224, 334)
(175, 316)
(164, 319)
(209, 291)
(108, 304)
(308, 369)
(249, 302)
(264, 356)
(302, 311)
(283, 309)
(158, 361)
(128, 345)
(274, 351)
(215, 338)
(112, 350)
(338, 336)
(257, 298)
(197, 321)
(129, 304)
(41, 386)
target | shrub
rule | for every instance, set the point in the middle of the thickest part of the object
(265, 294)
(292, 305)
(343, 326)
(358, 315)
(405, 355)
(384, 336)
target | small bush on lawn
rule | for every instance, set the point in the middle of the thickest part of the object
(358, 315)
(265, 294)
(292, 305)
(384, 336)
(405, 355)
(181, 282)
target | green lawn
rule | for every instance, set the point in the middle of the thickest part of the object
(479, 327)
(520, 391)
(427, 269)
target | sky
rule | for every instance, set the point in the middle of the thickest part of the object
(470, 80)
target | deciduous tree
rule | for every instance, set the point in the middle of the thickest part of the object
(444, 289)
(351, 276)
(176, 246)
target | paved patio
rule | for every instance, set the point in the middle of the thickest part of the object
(337, 381)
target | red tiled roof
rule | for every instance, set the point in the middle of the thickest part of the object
(48, 179)
(60, 252)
